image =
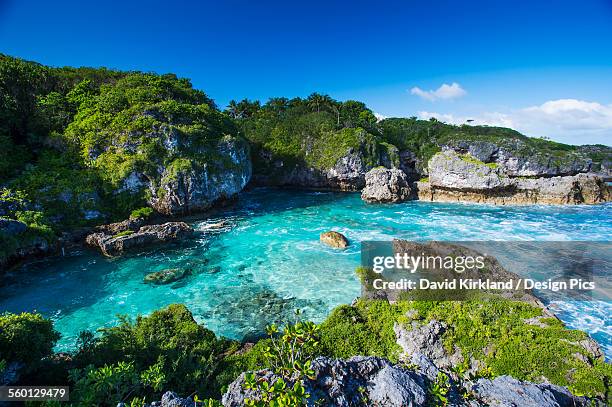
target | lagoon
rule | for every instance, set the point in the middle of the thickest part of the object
(268, 261)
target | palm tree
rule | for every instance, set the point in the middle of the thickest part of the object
(318, 101)
(232, 109)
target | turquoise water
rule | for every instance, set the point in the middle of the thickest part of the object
(268, 261)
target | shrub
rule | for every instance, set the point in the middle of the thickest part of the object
(289, 356)
(191, 355)
(141, 213)
(26, 338)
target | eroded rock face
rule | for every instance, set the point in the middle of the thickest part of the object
(516, 159)
(506, 391)
(349, 382)
(334, 239)
(347, 174)
(426, 340)
(189, 186)
(450, 170)
(455, 177)
(386, 185)
(375, 381)
(115, 245)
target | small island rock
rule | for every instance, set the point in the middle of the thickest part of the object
(334, 239)
(114, 245)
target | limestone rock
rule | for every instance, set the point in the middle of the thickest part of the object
(334, 239)
(451, 170)
(453, 177)
(114, 245)
(375, 381)
(189, 186)
(426, 340)
(386, 185)
(506, 391)
(349, 382)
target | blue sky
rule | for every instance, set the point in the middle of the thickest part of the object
(543, 67)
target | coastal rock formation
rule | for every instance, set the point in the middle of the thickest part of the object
(426, 340)
(516, 159)
(508, 391)
(347, 383)
(189, 186)
(115, 245)
(20, 244)
(347, 174)
(375, 381)
(386, 185)
(334, 239)
(457, 177)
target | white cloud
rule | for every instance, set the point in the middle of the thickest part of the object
(566, 120)
(445, 92)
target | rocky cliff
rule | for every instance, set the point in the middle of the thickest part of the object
(465, 177)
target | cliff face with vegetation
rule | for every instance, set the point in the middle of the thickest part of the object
(84, 146)
(315, 142)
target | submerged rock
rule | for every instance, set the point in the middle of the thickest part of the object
(334, 239)
(455, 177)
(166, 276)
(386, 185)
(114, 245)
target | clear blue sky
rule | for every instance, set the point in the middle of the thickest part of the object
(508, 58)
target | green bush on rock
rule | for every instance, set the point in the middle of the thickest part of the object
(26, 338)
(190, 354)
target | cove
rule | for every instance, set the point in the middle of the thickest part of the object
(268, 261)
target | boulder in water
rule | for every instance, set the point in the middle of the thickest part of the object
(334, 239)
(386, 185)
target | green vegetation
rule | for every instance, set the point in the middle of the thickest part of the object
(312, 132)
(365, 329)
(26, 338)
(494, 332)
(141, 213)
(289, 356)
(468, 158)
(70, 138)
(169, 350)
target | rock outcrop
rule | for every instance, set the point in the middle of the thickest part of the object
(386, 185)
(334, 239)
(352, 382)
(517, 159)
(20, 244)
(115, 245)
(456, 177)
(187, 186)
(374, 381)
(347, 174)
